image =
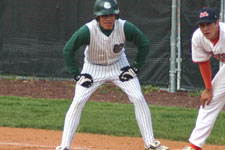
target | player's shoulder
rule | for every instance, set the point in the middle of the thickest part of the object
(120, 22)
(129, 25)
(197, 34)
(91, 23)
(222, 26)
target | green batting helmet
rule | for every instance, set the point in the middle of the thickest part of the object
(106, 7)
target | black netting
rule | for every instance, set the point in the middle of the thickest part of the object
(34, 32)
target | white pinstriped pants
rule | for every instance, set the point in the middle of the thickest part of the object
(100, 75)
(207, 115)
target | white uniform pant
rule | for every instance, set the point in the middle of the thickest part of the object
(100, 75)
(207, 115)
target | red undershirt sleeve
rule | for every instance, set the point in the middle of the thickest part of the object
(205, 69)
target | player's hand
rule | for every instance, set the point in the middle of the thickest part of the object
(128, 73)
(84, 80)
(206, 97)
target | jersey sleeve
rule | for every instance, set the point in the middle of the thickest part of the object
(199, 54)
(133, 34)
(79, 38)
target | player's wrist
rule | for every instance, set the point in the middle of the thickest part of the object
(135, 69)
(76, 77)
(84, 79)
(208, 89)
(135, 65)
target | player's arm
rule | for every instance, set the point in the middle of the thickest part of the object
(200, 56)
(79, 38)
(205, 69)
(133, 34)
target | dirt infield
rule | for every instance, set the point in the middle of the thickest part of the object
(36, 139)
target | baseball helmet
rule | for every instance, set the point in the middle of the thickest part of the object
(106, 7)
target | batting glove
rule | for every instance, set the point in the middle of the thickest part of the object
(128, 73)
(84, 80)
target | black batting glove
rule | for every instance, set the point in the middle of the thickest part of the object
(84, 80)
(128, 73)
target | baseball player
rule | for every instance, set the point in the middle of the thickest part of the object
(208, 40)
(105, 61)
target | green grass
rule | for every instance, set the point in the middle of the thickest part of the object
(174, 123)
(149, 89)
(32, 113)
(195, 93)
(105, 88)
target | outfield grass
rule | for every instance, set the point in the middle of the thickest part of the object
(174, 123)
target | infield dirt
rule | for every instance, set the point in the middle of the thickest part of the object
(35, 139)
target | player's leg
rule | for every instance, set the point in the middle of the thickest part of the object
(81, 96)
(142, 112)
(73, 115)
(207, 115)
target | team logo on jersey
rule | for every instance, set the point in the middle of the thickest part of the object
(107, 5)
(118, 47)
(203, 14)
(220, 57)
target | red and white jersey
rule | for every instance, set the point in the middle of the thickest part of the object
(203, 49)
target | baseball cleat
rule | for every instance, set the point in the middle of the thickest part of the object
(61, 148)
(157, 146)
(188, 148)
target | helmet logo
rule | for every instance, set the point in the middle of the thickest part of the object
(107, 5)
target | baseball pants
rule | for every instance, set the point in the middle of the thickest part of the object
(102, 74)
(207, 115)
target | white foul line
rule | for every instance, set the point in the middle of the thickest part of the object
(49, 147)
(42, 146)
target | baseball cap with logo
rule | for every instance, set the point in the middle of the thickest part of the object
(207, 15)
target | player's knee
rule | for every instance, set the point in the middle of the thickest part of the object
(137, 98)
(78, 102)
